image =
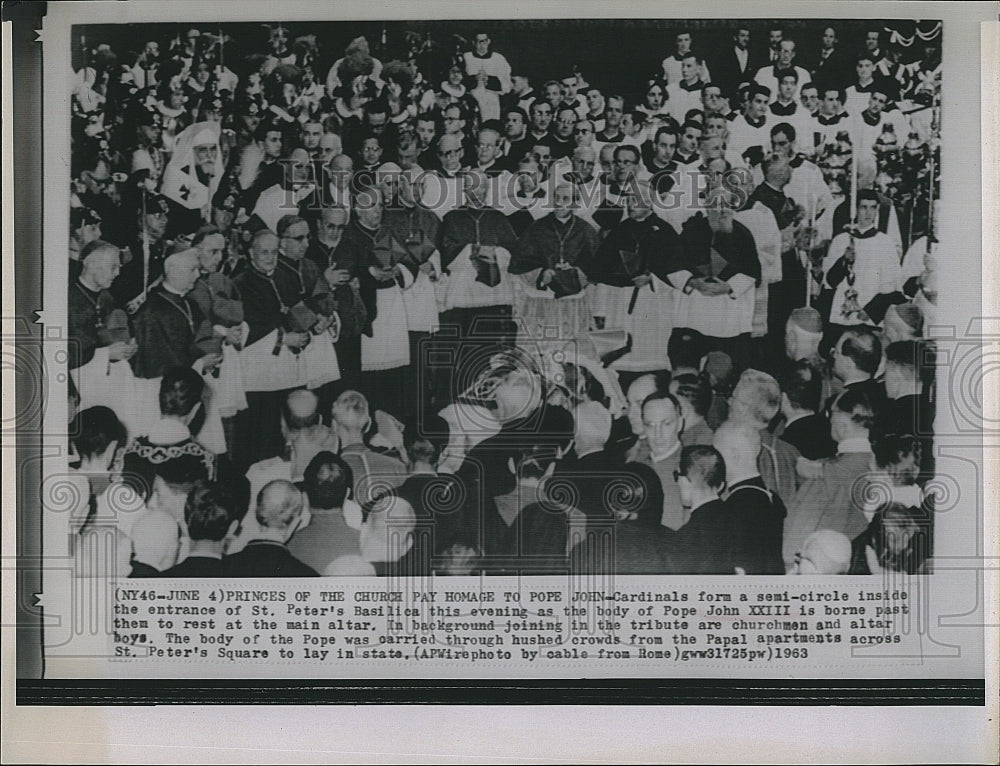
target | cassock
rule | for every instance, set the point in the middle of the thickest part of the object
(389, 344)
(757, 515)
(767, 238)
(268, 364)
(631, 249)
(171, 331)
(94, 323)
(417, 229)
(221, 303)
(727, 257)
(564, 247)
(128, 285)
(876, 278)
(468, 286)
(319, 357)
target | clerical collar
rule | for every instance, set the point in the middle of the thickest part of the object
(90, 290)
(783, 110)
(364, 229)
(866, 233)
(261, 273)
(696, 85)
(864, 88)
(477, 56)
(856, 444)
(755, 123)
(167, 288)
(824, 120)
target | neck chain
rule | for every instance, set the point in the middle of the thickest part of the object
(86, 294)
(183, 307)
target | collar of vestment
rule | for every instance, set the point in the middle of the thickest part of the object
(171, 291)
(783, 110)
(866, 233)
(824, 120)
(696, 85)
(871, 119)
(755, 123)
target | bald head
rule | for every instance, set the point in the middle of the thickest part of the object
(825, 552)
(156, 540)
(279, 506)
(739, 444)
(101, 264)
(756, 399)
(181, 270)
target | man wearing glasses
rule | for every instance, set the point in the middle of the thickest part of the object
(662, 425)
(561, 139)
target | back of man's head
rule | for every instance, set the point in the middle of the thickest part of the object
(862, 346)
(95, 429)
(686, 349)
(327, 481)
(180, 391)
(279, 505)
(425, 437)
(210, 511)
(593, 426)
(756, 398)
(300, 410)
(858, 405)
(156, 540)
(703, 464)
(350, 411)
(803, 385)
(739, 445)
(825, 552)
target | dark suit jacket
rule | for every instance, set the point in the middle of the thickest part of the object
(265, 558)
(811, 436)
(196, 566)
(727, 73)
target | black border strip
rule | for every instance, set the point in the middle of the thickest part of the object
(964, 692)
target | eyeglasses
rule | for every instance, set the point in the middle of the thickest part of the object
(582, 131)
(300, 238)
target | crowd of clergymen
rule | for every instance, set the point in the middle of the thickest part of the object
(371, 325)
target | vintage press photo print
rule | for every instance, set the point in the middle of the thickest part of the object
(622, 352)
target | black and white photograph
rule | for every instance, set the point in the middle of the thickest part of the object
(347, 299)
(462, 343)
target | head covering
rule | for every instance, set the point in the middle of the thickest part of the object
(181, 259)
(180, 179)
(807, 319)
(718, 365)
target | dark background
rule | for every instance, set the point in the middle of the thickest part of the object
(615, 55)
